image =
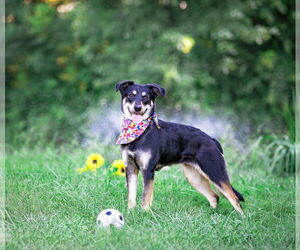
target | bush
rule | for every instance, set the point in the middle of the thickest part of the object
(276, 155)
(63, 56)
(281, 155)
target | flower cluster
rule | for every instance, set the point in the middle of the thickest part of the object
(95, 161)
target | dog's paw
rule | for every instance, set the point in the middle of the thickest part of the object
(131, 205)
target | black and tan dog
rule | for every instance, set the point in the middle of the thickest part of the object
(171, 143)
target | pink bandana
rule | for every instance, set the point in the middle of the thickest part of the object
(132, 130)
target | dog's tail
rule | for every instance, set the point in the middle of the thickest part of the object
(241, 198)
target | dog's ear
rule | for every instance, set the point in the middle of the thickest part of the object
(120, 86)
(157, 90)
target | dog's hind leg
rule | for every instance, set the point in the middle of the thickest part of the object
(226, 189)
(201, 184)
(212, 164)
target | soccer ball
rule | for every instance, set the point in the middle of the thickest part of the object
(110, 217)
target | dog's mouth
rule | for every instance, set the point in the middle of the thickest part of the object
(137, 117)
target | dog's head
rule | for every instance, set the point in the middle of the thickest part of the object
(138, 100)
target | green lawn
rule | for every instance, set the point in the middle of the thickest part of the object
(50, 206)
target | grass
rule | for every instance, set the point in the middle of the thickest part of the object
(49, 206)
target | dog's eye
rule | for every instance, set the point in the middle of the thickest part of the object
(145, 98)
(131, 95)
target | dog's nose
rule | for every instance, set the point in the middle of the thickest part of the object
(137, 108)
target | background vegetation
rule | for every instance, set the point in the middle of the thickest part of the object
(65, 56)
(232, 59)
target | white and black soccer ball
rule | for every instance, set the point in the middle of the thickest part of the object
(110, 217)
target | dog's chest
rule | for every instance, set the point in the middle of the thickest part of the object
(128, 153)
(141, 158)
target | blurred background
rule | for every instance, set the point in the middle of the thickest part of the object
(228, 68)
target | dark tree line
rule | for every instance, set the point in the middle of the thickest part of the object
(63, 56)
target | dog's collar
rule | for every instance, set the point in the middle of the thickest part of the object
(132, 130)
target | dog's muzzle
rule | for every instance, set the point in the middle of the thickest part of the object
(137, 108)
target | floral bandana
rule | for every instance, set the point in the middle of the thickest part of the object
(132, 130)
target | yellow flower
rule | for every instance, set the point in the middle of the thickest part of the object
(118, 168)
(52, 1)
(94, 161)
(186, 43)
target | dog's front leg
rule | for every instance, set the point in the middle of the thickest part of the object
(148, 176)
(131, 179)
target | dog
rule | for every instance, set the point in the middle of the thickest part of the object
(164, 143)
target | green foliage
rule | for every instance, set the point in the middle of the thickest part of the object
(276, 155)
(282, 156)
(233, 54)
(40, 20)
